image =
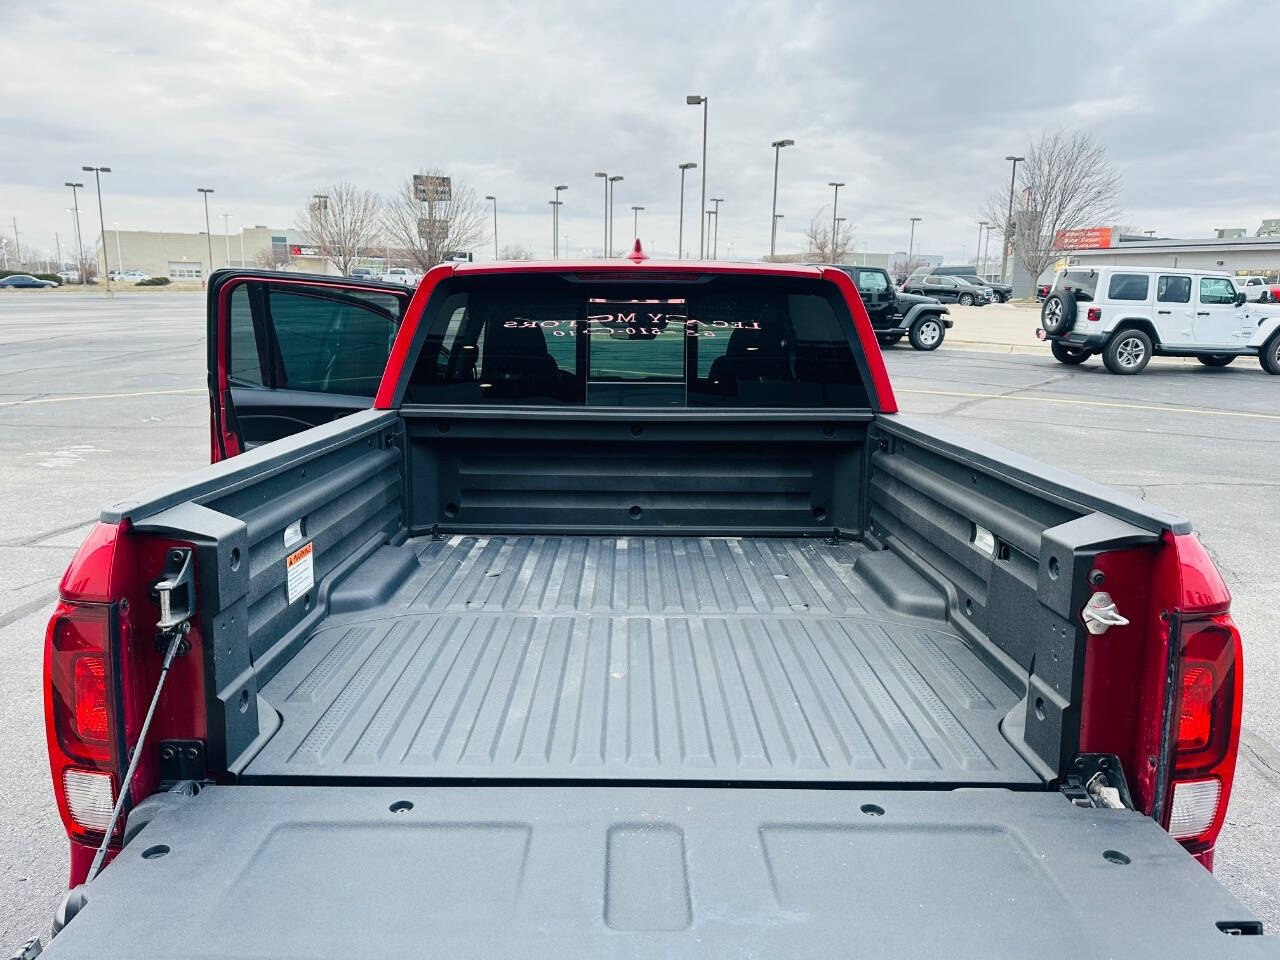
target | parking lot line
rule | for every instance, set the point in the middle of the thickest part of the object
(1161, 408)
(98, 396)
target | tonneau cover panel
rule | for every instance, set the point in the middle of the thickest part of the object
(591, 872)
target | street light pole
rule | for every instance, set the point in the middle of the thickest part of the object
(490, 196)
(635, 225)
(773, 224)
(680, 234)
(102, 225)
(986, 248)
(612, 190)
(694, 100)
(835, 202)
(119, 258)
(715, 237)
(977, 251)
(1008, 220)
(555, 223)
(75, 209)
(605, 176)
(207, 233)
(226, 234)
(776, 218)
(911, 244)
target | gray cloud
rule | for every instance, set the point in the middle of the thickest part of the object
(914, 107)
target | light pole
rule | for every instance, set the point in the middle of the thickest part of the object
(985, 248)
(715, 237)
(555, 224)
(776, 218)
(207, 234)
(835, 202)
(694, 100)
(605, 176)
(490, 196)
(773, 224)
(102, 225)
(321, 208)
(911, 244)
(242, 263)
(226, 234)
(1008, 220)
(75, 209)
(119, 259)
(977, 251)
(680, 234)
(612, 190)
(635, 225)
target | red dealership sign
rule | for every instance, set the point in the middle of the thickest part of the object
(1089, 238)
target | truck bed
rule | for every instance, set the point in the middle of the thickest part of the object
(632, 659)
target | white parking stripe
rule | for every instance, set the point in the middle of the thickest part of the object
(98, 396)
(1248, 415)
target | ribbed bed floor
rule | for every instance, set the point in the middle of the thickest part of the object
(637, 659)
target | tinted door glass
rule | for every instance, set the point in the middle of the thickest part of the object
(1217, 290)
(1173, 290)
(1128, 286)
(872, 282)
(244, 367)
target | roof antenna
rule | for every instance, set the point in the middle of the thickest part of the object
(637, 253)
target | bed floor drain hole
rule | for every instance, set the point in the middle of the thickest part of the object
(155, 853)
(872, 809)
(635, 513)
(401, 806)
(1115, 856)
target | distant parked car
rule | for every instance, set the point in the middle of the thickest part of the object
(949, 290)
(25, 280)
(401, 275)
(363, 273)
(69, 276)
(1255, 289)
(1000, 292)
(133, 276)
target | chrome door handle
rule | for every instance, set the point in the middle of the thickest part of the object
(1164, 312)
(1202, 313)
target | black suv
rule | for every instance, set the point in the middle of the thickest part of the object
(895, 315)
(1000, 292)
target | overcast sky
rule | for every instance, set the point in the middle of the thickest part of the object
(914, 106)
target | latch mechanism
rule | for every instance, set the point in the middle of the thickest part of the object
(175, 594)
(1097, 780)
(1100, 614)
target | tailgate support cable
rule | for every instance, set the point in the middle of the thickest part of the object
(177, 603)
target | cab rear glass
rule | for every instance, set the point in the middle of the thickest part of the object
(713, 341)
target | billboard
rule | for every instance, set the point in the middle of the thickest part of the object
(1087, 238)
(428, 189)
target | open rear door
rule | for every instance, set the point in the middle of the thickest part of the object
(288, 352)
(572, 871)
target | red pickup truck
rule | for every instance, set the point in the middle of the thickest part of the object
(585, 609)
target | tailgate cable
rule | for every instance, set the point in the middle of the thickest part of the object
(1097, 780)
(177, 604)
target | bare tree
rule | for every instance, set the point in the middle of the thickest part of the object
(818, 233)
(342, 221)
(429, 223)
(1066, 183)
(274, 257)
(515, 251)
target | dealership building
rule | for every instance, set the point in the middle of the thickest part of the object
(186, 256)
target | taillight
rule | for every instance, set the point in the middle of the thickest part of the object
(1095, 314)
(1208, 729)
(81, 715)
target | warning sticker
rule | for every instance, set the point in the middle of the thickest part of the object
(300, 574)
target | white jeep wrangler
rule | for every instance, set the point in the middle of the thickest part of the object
(1129, 314)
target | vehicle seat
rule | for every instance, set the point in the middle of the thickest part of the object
(754, 355)
(517, 364)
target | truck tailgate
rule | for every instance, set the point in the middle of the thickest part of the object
(564, 872)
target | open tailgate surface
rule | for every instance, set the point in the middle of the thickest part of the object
(577, 871)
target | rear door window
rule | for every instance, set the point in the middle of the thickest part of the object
(1173, 290)
(1128, 286)
(1082, 283)
(872, 281)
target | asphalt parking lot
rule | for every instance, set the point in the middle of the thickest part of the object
(101, 397)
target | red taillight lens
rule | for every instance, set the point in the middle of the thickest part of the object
(1195, 720)
(89, 694)
(1095, 314)
(80, 715)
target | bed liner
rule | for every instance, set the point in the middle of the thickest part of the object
(634, 659)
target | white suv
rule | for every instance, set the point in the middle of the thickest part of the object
(1129, 314)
